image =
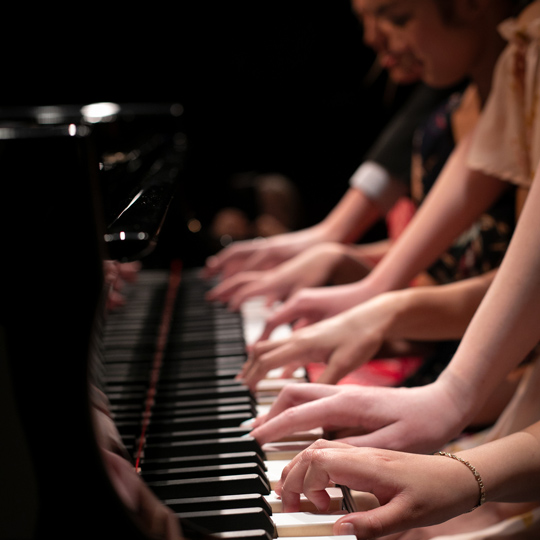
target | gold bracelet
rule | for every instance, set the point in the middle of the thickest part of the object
(482, 497)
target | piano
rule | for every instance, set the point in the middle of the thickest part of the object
(164, 364)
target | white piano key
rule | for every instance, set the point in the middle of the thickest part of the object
(277, 373)
(333, 537)
(274, 385)
(297, 524)
(255, 312)
(284, 450)
(306, 505)
(274, 469)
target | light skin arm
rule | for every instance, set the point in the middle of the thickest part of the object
(505, 327)
(354, 337)
(502, 332)
(456, 200)
(321, 264)
(353, 215)
(414, 490)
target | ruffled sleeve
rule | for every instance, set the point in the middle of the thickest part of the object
(507, 138)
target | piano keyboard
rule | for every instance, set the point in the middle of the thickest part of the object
(170, 363)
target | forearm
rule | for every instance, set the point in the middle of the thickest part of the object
(509, 467)
(353, 216)
(437, 312)
(456, 200)
(505, 327)
(372, 251)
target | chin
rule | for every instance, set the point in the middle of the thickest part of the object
(399, 76)
(440, 82)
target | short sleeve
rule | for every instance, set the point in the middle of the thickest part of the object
(378, 185)
(506, 141)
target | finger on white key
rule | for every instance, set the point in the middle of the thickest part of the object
(277, 373)
(305, 524)
(335, 495)
(274, 386)
(363, 500)
(284, 450)
(274, 468)
(333, 537)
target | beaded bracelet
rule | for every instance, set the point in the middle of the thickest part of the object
(482, 497)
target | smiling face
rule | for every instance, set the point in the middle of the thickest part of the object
(445, 48)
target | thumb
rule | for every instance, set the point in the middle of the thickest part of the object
(375, 523)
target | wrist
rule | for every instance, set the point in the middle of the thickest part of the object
(475, 496)
(387, 310)
(396, 307)
(459, 392)
(324, 232)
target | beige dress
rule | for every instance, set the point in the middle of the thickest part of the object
(507, 136)
(507, 145)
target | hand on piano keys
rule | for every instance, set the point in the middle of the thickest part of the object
(193, 451)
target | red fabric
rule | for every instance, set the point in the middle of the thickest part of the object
(380, 372)
(399, 217)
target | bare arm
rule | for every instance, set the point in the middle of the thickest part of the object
(437, 312)
(414, 490)
(352, 216)
(353, 337)
(505, 327)
(502, 332)
(457, 199)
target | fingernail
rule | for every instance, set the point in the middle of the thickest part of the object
(346, 529)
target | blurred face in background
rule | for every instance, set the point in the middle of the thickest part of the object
(402, 67)
(446, 46)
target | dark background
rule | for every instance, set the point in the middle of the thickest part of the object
(266, 87)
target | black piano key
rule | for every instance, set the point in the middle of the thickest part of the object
(207, 335)
(128, 414)
(223, 502)
(204, 351)
(204, 471)
(232, 520)
(198, 393)
(203, 446)
(203, 459)
(185, 435)
(136, 398)
(198, 424)
(218, 485)
(202, 374)
(170, 387)
(254, 534)
(212, 363)
(214, 404)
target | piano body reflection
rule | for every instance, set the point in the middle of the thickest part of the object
(73, 197)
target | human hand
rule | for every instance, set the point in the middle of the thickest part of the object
(310, 268)
(258, 254)
(419, 419)
(313, 304)
(413, 490)
(342, 342)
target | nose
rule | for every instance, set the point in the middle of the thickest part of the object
(395, 43)
(373, 37)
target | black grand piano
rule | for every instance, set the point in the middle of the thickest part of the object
(81, 186)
